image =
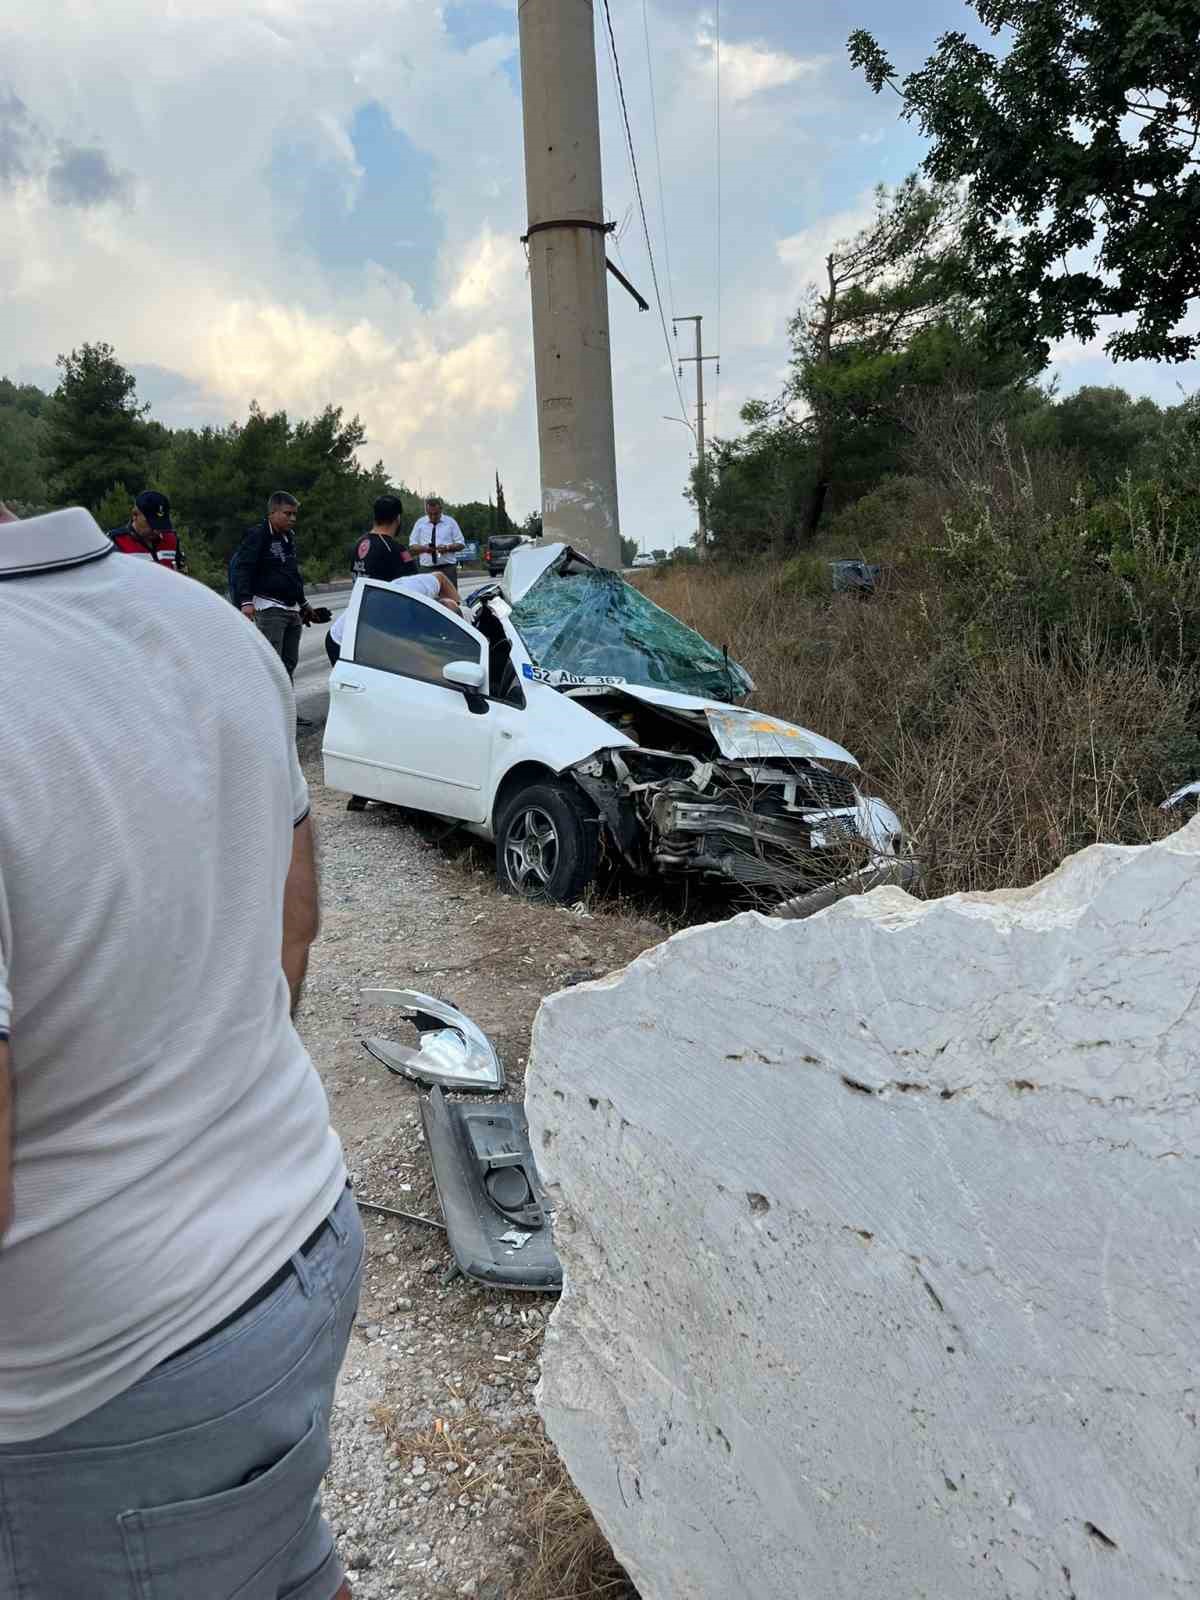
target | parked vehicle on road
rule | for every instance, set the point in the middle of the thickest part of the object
(644, 561)
(567, 718)
(498, 549)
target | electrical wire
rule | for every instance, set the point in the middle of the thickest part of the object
(662, 204)
(717, 98)
(637, 184)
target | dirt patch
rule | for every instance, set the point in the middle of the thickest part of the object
(442, 1483)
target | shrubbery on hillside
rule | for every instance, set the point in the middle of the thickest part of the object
(1025, 681)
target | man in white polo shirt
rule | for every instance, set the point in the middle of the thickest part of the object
(179, 1252)
(439, 539)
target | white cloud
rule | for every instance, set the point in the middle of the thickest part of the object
(195, 101)
(804, 253)
(749, 69)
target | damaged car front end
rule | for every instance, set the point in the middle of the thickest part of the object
(788, 831)
(697, 786)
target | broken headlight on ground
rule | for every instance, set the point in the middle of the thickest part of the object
(451, 1051)
(497, 1219)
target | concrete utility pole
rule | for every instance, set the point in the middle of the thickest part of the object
(702, 486)
(567, 271)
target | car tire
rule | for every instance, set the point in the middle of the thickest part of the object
(547, 843)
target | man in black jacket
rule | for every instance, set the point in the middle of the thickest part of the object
(267, 585)
(379, 554)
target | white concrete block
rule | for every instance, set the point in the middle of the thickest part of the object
(882, 1245)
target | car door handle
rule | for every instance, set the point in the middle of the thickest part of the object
(353, 688)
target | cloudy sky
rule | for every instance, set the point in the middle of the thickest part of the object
(305, 201)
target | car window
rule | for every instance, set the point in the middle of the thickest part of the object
(396, 633)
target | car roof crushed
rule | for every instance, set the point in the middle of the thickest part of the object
(589, 625)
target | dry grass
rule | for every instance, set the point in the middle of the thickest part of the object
(569, 1558)
(1001, 760)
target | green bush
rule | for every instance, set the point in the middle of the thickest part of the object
(113, 510)
(899, 510)
(683, 555)
(1126, 566)
(805, 576)
(203, 565)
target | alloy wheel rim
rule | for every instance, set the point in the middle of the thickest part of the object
(531, 849)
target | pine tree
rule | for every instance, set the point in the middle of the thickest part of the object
(503, 525)
(113, 510)
(95, 434)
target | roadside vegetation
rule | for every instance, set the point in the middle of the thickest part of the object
(1024, 679)
(92, 443)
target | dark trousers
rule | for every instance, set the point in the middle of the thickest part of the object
(332, 649)
(450, 568)
(281, 629)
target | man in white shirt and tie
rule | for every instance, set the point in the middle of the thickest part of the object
(438, 539)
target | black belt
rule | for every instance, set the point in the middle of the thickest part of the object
(275, 1281)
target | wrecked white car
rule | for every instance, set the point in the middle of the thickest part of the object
(569, 718)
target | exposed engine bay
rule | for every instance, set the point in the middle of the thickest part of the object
(675, 805)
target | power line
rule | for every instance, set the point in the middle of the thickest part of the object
(662, 204)
(717, 97)
(637, 184)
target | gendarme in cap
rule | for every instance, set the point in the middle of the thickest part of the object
(156, 509)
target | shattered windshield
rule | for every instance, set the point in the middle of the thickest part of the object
(595, 625)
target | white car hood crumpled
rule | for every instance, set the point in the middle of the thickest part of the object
(749, 735)
(745, 735)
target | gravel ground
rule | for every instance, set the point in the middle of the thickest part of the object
(434, 1430)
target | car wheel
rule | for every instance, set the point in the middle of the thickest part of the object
(546, 844)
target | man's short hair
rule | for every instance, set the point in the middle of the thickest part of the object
(281, 498)
(389, 508)
(433, 499)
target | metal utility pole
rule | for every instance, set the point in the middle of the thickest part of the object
(567, 271)
(702, 483)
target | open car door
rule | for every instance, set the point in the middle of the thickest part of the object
(398, 731)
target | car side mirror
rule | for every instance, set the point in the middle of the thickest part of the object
(464, 674)
(469, 677)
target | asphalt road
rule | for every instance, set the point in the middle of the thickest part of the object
(312, 674)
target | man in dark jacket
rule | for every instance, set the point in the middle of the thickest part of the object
(378, 554)
(149, 533)
(266, 580)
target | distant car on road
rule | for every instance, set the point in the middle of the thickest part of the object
(644, 561)
(498, 549)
